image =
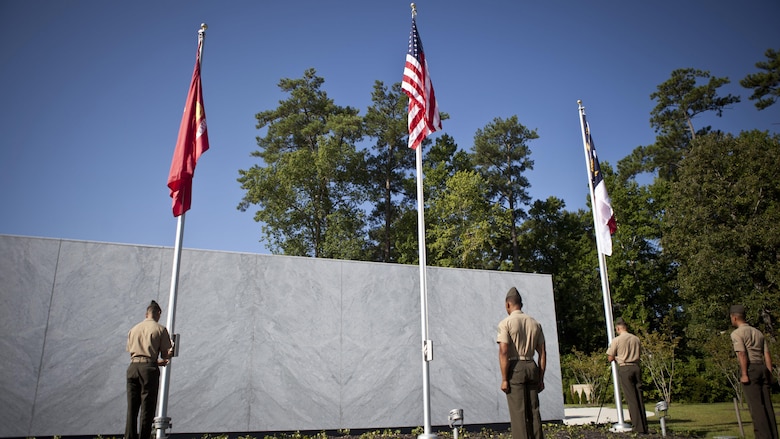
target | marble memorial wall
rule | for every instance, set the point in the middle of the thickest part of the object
(267, 343)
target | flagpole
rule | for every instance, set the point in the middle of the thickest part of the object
(162, 422)
(427, 344)
(621, 424)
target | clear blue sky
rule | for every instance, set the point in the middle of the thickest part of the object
(92, 92)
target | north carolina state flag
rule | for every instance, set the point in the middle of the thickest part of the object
(193, 141)
(604, 216)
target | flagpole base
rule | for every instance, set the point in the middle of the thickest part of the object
(427, 436)
(160, 426)
(621, 427)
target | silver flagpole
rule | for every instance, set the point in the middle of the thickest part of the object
(427, 345)
(621, 424)
(162, 422)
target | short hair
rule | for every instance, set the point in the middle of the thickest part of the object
(738, 310)
(513, 297)
(154, 307)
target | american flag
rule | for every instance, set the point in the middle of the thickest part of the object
(602, 205)
(423, 110)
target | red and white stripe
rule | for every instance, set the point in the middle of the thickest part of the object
(423, 109)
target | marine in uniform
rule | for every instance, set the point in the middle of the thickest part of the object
(519, 337)
(145, 342)
(626, 349)
(755, 366)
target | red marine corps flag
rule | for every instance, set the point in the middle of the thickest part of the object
(193, 141)
(423, 110)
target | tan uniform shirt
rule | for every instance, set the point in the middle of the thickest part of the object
(626, 349)
(522, 333)
(751, 341)
(148, 339)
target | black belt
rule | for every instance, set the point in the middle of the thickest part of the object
(521, 358)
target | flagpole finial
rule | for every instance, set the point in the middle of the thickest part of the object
(579, 102)
(414, 9)
(203, 27)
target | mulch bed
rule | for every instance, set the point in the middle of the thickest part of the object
(551, 431)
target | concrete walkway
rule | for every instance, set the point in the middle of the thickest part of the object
(594, 415)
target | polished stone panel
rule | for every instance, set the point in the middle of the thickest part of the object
(27, 269)
(215, 305)
(100, 291)
(267, 343)
(381, 349)
(463, 314)
(296, 349)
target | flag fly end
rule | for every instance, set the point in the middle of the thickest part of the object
(423, 117)
(192, 141)
(603, 215)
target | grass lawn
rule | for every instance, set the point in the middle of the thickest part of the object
(704, 420)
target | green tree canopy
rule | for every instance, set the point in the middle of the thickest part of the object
(441, 162)
(389, 164)
(465, 227)
(502, 155)
(723, 228)
(555, 241)
(679, 100)
(766, 84)
(309, 191)
(642, 275)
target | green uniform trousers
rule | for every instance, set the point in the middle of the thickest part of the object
(631, 384)
(143, 383)
(523, 400)
(759, 400)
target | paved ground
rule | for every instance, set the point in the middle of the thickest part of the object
(594, 415)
